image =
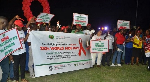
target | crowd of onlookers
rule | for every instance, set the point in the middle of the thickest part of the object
(127, 46)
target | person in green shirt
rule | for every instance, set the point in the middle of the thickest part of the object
(77, 30)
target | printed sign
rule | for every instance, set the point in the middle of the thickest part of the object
(44, 17)
(9, 42)
(59, 52)
(80, 19)
(123, 24)
(147, 47)
(99, 46)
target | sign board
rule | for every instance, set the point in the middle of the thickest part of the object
(44, 17)
(80, 19)
(9, 42)
(123, 24)
(59, 52)
(99, 46)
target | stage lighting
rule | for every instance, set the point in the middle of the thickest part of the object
(106, 28)
(99, 28)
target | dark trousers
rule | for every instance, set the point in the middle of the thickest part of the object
(143, 58)
(106, 57)
(128, 55)
(5, 69)
(148, 61)
(19, 60)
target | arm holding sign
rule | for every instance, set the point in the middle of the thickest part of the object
(12, 21)
(30, 21)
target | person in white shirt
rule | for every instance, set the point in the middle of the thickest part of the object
(106, 57)
(19, 56)
(33, 27)
(98, 36)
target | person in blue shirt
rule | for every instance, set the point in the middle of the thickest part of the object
(128, 47)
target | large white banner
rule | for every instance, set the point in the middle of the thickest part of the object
(123, 24)
(59, 52)
(80, 19)
(9, 42)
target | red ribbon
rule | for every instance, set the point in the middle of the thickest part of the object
(81, 47)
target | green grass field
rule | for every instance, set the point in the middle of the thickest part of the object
(126, 73)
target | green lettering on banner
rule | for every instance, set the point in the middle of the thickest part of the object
(8, 41)
(7, 47)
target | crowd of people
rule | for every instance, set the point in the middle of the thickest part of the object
(125, 46)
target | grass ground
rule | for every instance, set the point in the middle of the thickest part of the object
(126, 73)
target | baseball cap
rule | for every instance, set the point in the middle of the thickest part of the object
(18, 23)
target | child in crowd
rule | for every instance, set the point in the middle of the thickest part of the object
(19, 56)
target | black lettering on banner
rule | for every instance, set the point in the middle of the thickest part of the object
(50, 68)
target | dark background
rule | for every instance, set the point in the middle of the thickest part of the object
(100, 12)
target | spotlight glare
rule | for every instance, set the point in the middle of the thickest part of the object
(106, 28)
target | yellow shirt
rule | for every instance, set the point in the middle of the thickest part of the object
(137, 41)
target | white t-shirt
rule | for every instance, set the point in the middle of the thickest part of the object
(95, 37)
(111, 40)
(88, 32)
(23, 50)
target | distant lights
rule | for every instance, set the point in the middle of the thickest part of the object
(103, 28)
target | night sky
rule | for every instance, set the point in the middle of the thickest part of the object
(100, 12)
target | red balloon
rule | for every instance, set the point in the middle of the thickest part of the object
(28, 12)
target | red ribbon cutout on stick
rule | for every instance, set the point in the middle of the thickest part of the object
(81, 47)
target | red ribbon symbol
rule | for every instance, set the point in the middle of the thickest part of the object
(81, 48)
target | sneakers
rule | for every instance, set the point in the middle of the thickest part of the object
(32, 76)
(118, 64)
(115, 65)
(112, 64)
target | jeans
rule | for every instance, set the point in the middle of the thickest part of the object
(5, 69)
(128, 55)
(11, 75)
(27, 57)
(117, 54)
(123, 55)
(19, 60)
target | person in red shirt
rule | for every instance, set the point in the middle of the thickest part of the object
(119, 40)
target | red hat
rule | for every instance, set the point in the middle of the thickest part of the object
(88, 24)
(78, 25)
(62, 28)
(18, 23)
(122, 27)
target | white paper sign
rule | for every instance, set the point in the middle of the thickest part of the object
(123, 24)
(44, 17)
(80, 19)
(9, 42)
(99, 46)
(59, 52)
